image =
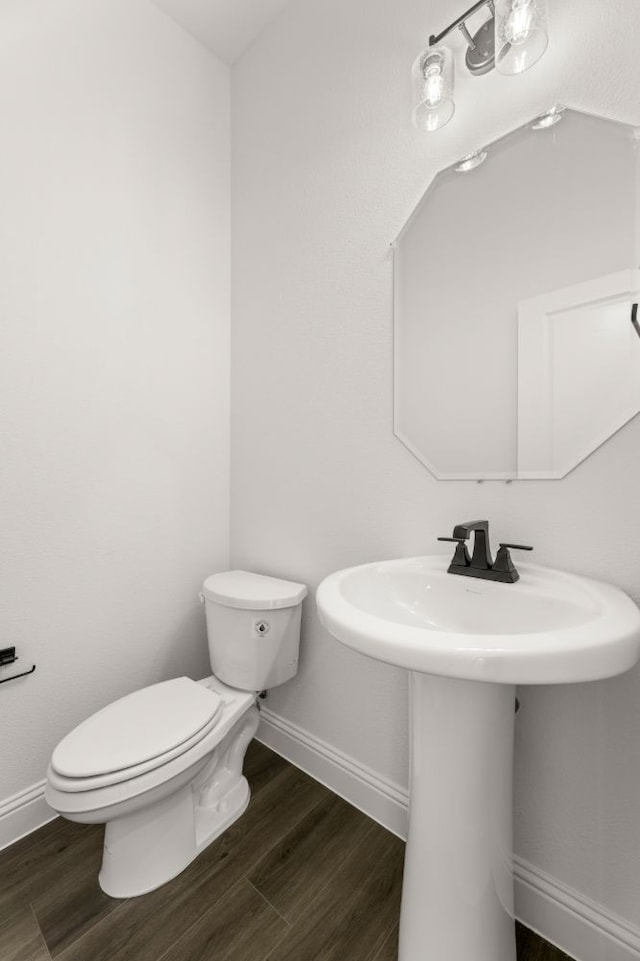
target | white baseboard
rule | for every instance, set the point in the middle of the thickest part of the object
(23, 813)
(379, 798)
(585, 930)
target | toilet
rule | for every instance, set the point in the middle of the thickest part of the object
(162, 767)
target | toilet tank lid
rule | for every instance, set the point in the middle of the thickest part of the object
(252, 592)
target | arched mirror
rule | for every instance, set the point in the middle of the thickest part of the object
(517, 345)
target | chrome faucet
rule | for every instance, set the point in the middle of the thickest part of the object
(481, 564)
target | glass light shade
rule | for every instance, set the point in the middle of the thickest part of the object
(549, 119)
(521, 34)
(432, 75)
(471, 161)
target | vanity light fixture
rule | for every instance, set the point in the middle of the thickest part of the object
(512, 39)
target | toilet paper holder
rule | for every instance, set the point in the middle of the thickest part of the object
(8, 656)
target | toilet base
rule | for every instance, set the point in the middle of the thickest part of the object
(145, 849)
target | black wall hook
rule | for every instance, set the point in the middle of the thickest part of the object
(634, 318)
(8, 656)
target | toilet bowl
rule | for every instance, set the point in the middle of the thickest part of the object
(162, 767)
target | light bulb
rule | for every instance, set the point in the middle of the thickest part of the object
(520, 34)
(433, 82)
(433, 88)
(519, 22)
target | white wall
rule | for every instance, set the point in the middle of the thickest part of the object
(114, 311)
(326, 168)
(226, 27)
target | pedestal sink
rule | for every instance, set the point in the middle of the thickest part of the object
(467, 643)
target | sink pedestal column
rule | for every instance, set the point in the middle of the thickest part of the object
(457, 896)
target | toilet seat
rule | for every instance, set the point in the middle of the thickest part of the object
(82, 798)
(135, 735)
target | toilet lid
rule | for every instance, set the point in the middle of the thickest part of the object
(139, 727)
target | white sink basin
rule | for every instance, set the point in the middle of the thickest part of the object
(548, 628)
(467, 642)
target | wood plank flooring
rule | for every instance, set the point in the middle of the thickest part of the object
(302, 876)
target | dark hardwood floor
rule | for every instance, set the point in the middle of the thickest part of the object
(302, 876)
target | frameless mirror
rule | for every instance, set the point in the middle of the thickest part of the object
(517, 345)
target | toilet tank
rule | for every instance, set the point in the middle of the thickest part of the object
(253, 625)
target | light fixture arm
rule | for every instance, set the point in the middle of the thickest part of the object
(462, 27)
(460, 22)
(511, 38)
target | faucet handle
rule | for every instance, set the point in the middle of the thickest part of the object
(503, 560)
(461, 554)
